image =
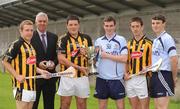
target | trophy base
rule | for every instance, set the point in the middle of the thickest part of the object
(93, 73)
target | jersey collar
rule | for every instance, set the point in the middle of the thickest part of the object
(24, 40)
(109, 39)
(162, 33)
(72, 36)
(140, 39)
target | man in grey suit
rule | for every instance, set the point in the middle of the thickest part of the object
(45, 44)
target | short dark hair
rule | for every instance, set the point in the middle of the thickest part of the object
(159, 17)
(72, 17)
(137, 19)
(109, 19)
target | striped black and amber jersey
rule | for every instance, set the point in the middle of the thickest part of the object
(70, 46)
(22, 56)
(139, 54)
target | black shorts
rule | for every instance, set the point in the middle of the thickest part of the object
(109, 89)
(161, 84)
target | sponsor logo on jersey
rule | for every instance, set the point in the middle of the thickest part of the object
(31, 60)
(73, 53)
(136, 54)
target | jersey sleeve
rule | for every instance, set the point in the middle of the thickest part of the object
(170, 46)
(12, 52)
(123, 49)
(89, 41)
(97, 43)
(62, 45)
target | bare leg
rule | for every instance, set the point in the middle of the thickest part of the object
(81, 103)
(144, 103)
(120, 104)
(30, 105)
(65, 102)
(135, 103)
(103, 103)
(21, 105)
(161, 103)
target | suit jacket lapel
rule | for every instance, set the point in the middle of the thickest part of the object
(38, 39)
(48, 41)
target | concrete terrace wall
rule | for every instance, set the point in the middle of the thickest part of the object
(92, 25)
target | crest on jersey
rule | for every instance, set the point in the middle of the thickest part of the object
(108, 46)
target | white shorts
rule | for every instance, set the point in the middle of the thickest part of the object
(24, 95)
(74, 87)
(137, 86)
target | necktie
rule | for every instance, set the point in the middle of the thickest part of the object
(43, 41)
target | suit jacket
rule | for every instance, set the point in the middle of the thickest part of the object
(50, 53)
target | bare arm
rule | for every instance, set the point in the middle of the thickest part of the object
(12, 71)
(174, 67)
(118, 58)
(41, 71)
(44, 73)
(126, 74)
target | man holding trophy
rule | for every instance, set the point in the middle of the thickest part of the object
(112, 52)
(72, 52)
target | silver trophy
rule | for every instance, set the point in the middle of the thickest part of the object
(91, 60)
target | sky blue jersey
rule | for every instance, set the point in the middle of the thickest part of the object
(109, 69)
(163, 47)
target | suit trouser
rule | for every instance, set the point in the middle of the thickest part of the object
(48, 89)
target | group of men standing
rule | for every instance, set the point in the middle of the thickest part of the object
(117, 61)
